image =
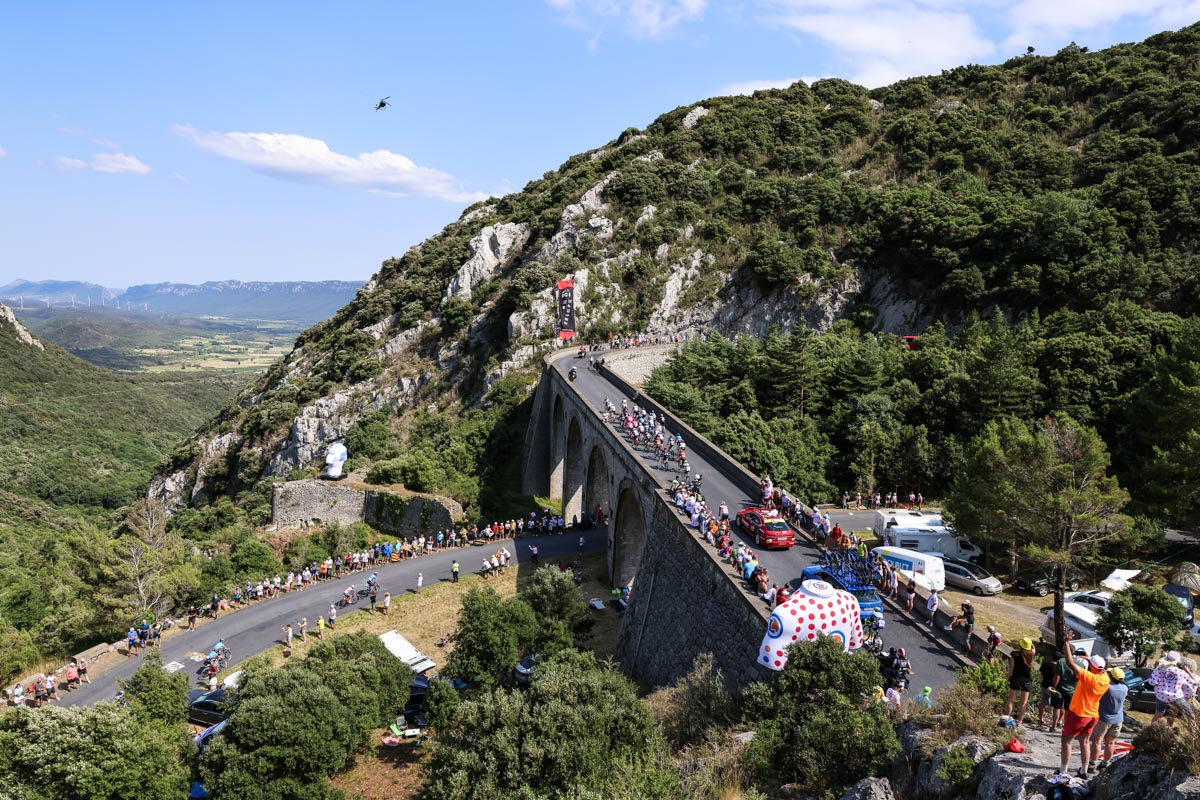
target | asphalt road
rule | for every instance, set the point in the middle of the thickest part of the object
(933, 664)
(252, 630)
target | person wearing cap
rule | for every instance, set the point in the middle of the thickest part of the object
(1091, 683)
(1020, 679)
(1066, 679)
(1173, 688)
(925, 698)
(1112, 716)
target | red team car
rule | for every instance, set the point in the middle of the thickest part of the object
(767, 528)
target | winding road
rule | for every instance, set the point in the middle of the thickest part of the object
(258, 627)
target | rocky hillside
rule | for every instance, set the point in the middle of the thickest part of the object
(1042, 183)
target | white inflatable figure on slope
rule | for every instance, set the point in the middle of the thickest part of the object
(816, 608)
(334, 459)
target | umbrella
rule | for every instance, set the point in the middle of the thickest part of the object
(1186, 575)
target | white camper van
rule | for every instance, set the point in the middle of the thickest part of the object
(923, 531)
(927, 570)
(1081, 620)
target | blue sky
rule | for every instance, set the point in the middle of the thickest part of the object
(144, 142)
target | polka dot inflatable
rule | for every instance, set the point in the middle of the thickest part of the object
(816, 608)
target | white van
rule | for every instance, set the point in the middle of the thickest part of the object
(924, 531)
(906, 518)
(927, 570)
(936, 540)
(1081, 620)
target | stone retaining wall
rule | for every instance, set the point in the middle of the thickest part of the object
(314, 502)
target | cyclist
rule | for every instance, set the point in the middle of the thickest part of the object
(371, 580)
(348, 595)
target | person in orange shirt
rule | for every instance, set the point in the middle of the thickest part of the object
(1084, 711)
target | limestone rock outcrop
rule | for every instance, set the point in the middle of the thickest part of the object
(489, 250)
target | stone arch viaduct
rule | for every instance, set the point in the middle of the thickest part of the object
(684, 601)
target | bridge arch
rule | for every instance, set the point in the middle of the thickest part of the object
(572, 491)
(628, 535)
(597, 484)
(558, 446)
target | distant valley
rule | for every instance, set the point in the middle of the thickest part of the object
(292, 301)
(225, 325)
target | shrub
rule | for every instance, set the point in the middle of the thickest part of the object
(803, 714)
(957, 768)
(966, 709)
(387, 472)
(697, 705)
(989, 677)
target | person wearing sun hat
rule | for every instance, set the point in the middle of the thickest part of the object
(1020, 678)
(1091, 682)
(1112, 716)
(925, 698)
(1173, 686)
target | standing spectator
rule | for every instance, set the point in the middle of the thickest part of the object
(131, 643)
(192, 613)
(387, 602)
(931, 605)
(51, 687)
(1066, 678)
(1112, 717)
(454, 567)
(1084, 712)
(534, 551)
(83, 673)
(1020, 679)
(320, 627)
(303, 625)
(925, 699)
(910, 592)
(72, 676)
(332, 618)
(420, 582)
(1050, 698)
(287, 635)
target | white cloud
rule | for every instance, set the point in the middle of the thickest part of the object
(750, 87)
(881, 41)
(118, 164)
(1034, 21)
(642, 19)
(99, 141)
(300, 158)
(66, 164)
(180, 177)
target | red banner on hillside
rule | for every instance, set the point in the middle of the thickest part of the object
(566, 308)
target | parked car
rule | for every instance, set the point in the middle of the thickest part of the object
(1042, 583)
(1141, 694)
(202, 738)
(867, 599)
(207, 708)
(966, 575)
(524, 670)
(1095, 599)
(766, 527)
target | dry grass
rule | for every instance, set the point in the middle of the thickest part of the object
(426, 617)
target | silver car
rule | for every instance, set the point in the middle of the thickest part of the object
(966, 575)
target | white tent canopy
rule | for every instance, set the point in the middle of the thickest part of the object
(1120, 579)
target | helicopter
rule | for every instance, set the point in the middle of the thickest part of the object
(382, 104)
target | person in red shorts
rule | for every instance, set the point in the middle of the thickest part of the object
(1084, 711)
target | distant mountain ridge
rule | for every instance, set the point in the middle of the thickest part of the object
(305, 301)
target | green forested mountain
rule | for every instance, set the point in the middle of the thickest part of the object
(1063, 190)
(79, 442)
